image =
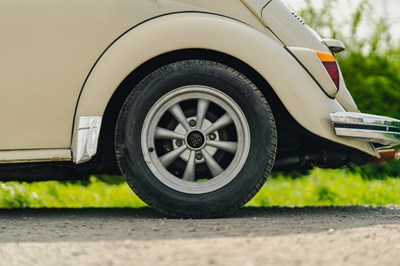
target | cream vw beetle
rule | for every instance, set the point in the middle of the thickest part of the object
(195, 102)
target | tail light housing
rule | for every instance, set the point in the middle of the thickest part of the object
(329, 62)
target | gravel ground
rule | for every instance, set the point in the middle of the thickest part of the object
(254, 236)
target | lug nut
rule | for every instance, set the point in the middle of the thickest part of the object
(212, 136)
(178, 142)
(199, 156)
(192, 123)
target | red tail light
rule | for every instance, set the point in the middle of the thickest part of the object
(329, 62)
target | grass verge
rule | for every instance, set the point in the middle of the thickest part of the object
(319, 188)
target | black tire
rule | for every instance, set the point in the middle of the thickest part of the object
(144, 153)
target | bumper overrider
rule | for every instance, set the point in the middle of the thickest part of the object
(383, 132)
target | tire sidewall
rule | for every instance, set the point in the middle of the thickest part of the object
(181, 74)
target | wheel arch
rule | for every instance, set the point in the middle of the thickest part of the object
(128, 60)
(106, 146)
(163, 35)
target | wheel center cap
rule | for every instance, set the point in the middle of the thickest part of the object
(195, 139)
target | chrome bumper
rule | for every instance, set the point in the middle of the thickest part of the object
(372, 128)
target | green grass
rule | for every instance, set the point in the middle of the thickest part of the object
(328, 188)
(53, 194)
(319, 188)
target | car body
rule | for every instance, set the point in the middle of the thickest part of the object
(78, 88)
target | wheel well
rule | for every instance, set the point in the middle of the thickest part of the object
(105, 155)
(292, 137)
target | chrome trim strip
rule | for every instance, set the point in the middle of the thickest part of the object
(373, 128)
(85, 140)
(33, 156)
(336, 46)
(363, 119)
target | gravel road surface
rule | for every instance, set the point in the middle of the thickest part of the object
(254, 236)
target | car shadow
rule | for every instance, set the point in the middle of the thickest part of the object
(97, 224)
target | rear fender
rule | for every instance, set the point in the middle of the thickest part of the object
(299, 93)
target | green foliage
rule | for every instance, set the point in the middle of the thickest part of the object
(327, 188)
(382, 172)
(319, 188)
(53, 194)
(374, 81)
(370, 66)
(325, 194)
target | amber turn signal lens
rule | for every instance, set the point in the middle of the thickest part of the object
(325, 57)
